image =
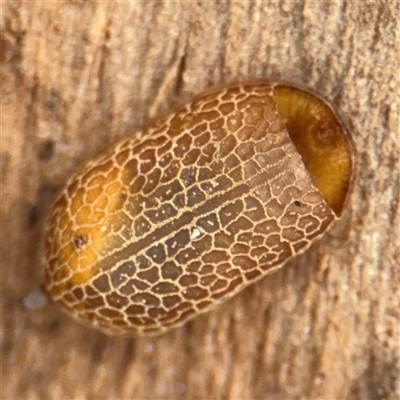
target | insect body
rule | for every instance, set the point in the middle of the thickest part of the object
(171, 222)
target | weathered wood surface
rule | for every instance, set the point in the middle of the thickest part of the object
(76, 75)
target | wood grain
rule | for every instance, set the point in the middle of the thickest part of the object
(76, 75)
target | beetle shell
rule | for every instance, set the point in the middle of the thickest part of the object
(169, 223)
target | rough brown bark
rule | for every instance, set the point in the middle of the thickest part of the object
(75, 75)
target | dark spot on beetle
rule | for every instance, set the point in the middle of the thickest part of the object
(80, 241)
(46, 150)
(123, 195)
(297, 203)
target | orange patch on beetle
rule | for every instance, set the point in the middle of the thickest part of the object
(85, 217)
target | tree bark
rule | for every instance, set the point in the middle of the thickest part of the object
(76, 75)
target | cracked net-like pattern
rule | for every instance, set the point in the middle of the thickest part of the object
(177, 219)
